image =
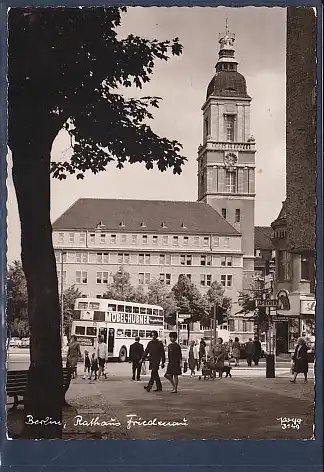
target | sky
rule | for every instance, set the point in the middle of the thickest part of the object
(260, 49)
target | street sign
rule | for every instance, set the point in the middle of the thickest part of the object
(279, 318)
(267, 302)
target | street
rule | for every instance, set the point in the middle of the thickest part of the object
(246, 406)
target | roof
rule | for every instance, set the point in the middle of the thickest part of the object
(144, 216)
(229, 84)
(262, 237)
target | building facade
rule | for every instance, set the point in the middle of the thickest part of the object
(294, 229)
(226, 158)
(150, 240)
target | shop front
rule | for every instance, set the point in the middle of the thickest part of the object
(295, 317)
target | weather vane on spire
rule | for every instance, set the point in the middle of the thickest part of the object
(227, 38)
(226, 26)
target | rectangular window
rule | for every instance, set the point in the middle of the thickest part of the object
(71, 237)
(205, 280)
(144, 239)
(141, 259)
(61, 238)
(185, 240)
(113, 239)
(284, 265)
(229, 126)
(305, 268)
(205, 260)
(186, 259)
(80, 330)
(206, 241)
(231, 325)
(147, 258)
(102, 238)
(120, 258)
(230, 182)
(175, 240)
(141, 278)
(102, 278)
(227, 280)
(224, 213)
(147, 278)
(155, 240)
(134, 238)
(226, 261)
(165, 278)
(206, 127)
(216, 241)
(237, 215)
(81, 257)
(165, 240)
(92, 238)
(123, 238)
(81, 277)
(226, 242)
(162, 259)
(196, 241)
(82, 238)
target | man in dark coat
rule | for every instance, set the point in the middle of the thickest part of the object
(202, 352)
(300, 359)
(136, 352)
(155, 351)
(257, 351)
(249, 352)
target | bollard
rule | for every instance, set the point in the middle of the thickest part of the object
(270, 366)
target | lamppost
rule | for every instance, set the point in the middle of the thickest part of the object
(63, 253)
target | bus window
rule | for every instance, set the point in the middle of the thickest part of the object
(143, 311)
(111, 307)
(128, 309)
(94, 306)
(128, 333)
(99, 316)
(91, 331)
(83, 305)
(80, 330)
(135, 309)
(148, 334)
(149, 311)
(120, 332)
(155, 312)
(77, 314)
(121, 308)
(134, 333)
(161, 313)
(141, 333)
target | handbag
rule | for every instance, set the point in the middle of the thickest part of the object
(185, 367)
(143, 368)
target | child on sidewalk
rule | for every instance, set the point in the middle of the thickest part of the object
(94, 367)
(87, 364)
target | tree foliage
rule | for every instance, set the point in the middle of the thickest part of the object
(189, 300)
(160, 294)
(73, 64)
(247, 302)
(69, 297)
(122, 289)
(17, 298)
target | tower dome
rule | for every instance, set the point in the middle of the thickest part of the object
(227, 82)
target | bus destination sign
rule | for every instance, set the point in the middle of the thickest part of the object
(131, 318)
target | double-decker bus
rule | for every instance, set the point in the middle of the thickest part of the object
(117, 321)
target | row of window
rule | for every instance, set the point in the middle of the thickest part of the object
(237, 218)
(144, 278)
(134, 239)
(229, 121)
(128, 333)
(124, 258)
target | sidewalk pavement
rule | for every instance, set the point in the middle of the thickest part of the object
(222, 409)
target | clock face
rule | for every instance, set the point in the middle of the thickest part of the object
(230, 159)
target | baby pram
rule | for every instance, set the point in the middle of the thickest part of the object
(207, 369)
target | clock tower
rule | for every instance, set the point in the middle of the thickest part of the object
(226, 158)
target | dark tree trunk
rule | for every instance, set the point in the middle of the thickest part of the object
(31, 176)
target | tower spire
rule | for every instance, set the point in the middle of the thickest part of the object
(226, 60)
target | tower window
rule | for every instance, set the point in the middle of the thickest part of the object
(237, 215)
(224, 213)
(230, 182)
(229, 125)
(206, 127)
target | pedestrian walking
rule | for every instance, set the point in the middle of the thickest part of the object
(73, 355)
(236, 351)
(192, 360)
(94, 367)
(202, 351)
(174, 362)
(257, 351)
(102, 354)
(155, 351)
(249, 352)
(218, 355)
(136, 352)
(87, 365)
(300, 360)
(230, 351)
